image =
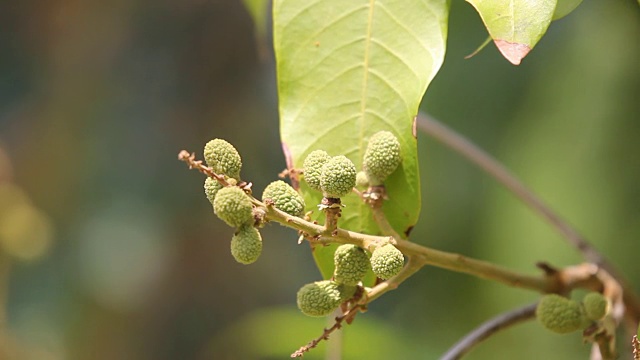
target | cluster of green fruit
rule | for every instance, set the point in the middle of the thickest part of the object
(336, 176)
(351, 264)
(563, 316)
(233, 206)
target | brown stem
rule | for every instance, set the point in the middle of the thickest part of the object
(332, 208)
(347, 316)
(489, 328)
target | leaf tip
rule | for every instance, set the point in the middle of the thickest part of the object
(514, 52)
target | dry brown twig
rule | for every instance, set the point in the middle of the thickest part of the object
(348, 316)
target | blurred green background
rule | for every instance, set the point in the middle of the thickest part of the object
(111, 251)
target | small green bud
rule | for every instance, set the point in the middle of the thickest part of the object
(338, 177)
(362, 181)
(312, 167)
(595, 305)
(233, 206)
(284, 198)
(211, 187)
(322, 297)
(382, 157)
(351, 264)
(386, 261)
(223, 158)
(246, 245)
(559, 314)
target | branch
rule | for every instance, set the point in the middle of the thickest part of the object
(587, 276)
(491, 327)
(348, 316)
(318, 234)
(491, 166)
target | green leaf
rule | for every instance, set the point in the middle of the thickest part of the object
(564, 8)
(348, 69)
(516, 26)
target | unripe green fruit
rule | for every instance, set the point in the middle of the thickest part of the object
(233, 206)
(382, 157)
(351, 264)
(362, 181)
(386, 261)
(223, 158)
(312, 167)
(322, 297)
(595, 305)
(284, 198)
(559, 314)
(338, 177)
(246, 245)
(211, 187)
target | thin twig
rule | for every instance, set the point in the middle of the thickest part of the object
(490, 165)
(489, 328)
(482, 46)
(325, 334)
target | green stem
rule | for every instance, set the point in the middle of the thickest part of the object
(420, 254)
(409, 269)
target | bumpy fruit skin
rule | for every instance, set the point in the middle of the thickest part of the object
(246, 245)
(595, 305)
(351, 264)
(382, 157)
(312, 167)
(284, 198)
(233, 206)
(211, 187)
(386, 261)
(322, 297)
(223, 158)
(338, 177)
(559, 314)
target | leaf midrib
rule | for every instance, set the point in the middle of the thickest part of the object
(365, 80)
